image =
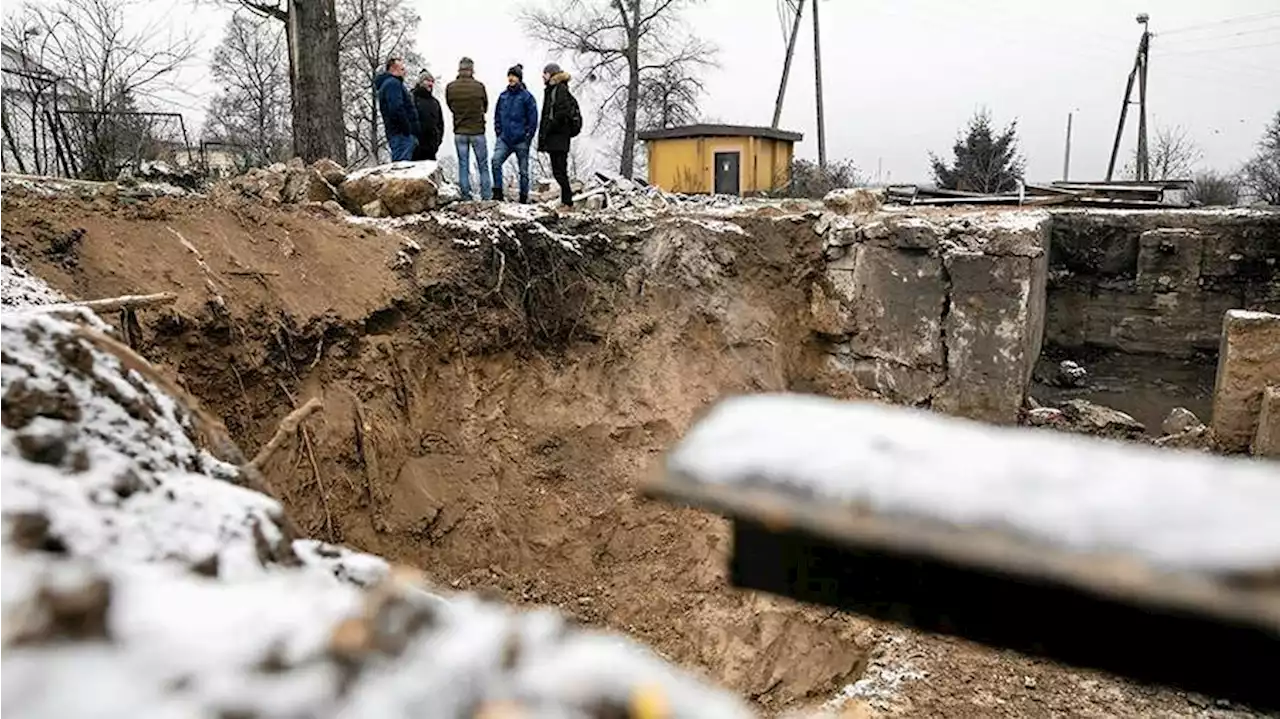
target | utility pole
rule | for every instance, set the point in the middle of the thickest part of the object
(1139, 67)
(1144, 157)
(817, 79)
(786, 64)
(1066, 157)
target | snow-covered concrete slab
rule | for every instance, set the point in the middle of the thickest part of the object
(1179, 511)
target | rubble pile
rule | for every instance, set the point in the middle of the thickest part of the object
(144, 571)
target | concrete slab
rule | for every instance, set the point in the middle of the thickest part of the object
(1248, 362)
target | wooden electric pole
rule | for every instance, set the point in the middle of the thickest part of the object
(817, 79)
(786, 64)
(1139, 72)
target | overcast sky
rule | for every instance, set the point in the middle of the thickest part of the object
(902, 76)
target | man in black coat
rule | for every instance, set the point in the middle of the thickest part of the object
(561, 122)
(430, 118)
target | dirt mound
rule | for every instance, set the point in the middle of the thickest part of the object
(494, 387)
(496, 381)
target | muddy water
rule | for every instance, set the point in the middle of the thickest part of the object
(1144, 386)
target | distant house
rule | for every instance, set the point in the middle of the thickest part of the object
(31, 94)
(720, 159)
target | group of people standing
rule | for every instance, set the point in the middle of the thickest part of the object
(414, 123)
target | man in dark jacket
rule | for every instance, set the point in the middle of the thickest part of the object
(561, 122)
(399, 116)
(469, 102)
(515, 122)
(430, 118)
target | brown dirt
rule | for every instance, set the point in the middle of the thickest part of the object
(489, 415)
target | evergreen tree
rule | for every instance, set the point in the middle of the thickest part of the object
(1261, 175)
(985, 161)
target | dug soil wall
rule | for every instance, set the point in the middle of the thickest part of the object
(494, 388)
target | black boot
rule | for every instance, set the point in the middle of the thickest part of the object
(497, 194)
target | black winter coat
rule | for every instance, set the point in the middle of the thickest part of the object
(558, 105)
(430, 119)
(399, 116)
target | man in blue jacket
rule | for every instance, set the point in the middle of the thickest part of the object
(399, 115)
(515, 122)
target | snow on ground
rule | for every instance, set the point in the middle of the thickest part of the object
(139, 579)
(1183, 511)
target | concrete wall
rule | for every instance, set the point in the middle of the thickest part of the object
(1158, 282)
(937, 310)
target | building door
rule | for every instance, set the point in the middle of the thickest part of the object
(727, 174)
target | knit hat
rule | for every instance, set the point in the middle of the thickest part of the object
(551, 68)
(517, 71)
(425, 75)
(466, 63)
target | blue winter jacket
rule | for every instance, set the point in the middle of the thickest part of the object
(399, 115)
(515, 118)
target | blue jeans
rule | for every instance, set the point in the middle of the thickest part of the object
(501, 151)
(464, 144)
(401, 146)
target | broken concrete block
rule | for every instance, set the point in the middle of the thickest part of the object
(332, 172)
(993, 332)
(827, 315)
(1045, 417)
(1266, 441)
(1248, 362)
(1089, 418)
(896, 300)
(1180, 420)
(912, 233)
(373, 209)
(1169, 259)
(852, 200)
(899, 383)
(404, 188)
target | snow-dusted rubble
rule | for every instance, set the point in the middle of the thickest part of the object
(141, 580)
(1181, 511)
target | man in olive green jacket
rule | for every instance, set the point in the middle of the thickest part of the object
(469, 103)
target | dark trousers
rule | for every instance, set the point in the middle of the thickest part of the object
(560, 171)
(423, 151)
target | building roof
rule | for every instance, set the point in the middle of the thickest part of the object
(720, 131)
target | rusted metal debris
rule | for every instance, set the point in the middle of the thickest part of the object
(1164, 194)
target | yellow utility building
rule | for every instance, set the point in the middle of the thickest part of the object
(720, 159)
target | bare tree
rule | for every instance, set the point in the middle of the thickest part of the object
(252, 110)
(1211, 188)
(30, 98)
(372, 31)
(1173, 155)
(1261, 174)
(620, 45)
(669, 98)
(312, 38)
(108, 67)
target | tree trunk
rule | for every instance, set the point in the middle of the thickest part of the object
(312, 32)
(629, 121)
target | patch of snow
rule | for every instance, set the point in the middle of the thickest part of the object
(717, 226)
(413, 170)
(881, 684)
(1182, 511)
(1252, 316)
(19, 288)
(114, 607)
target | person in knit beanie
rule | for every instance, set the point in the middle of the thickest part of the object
(515, 123)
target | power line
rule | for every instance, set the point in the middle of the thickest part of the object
(1230, 48)
(1254, 31)
(1218, 23)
